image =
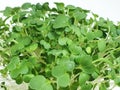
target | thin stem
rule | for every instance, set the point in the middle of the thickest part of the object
(98, 60)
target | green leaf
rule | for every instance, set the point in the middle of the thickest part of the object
(1, 22)
(62, 40)
(74, 86)
(32, 60)
(74, 49)
(88, 50)
(36, 21)
(11, 66)
(39, 82)
(117, 81)
(38, 6)
(98, 33)
(58, 71)
(58, 52)
(17, 28)
(45, 44)
(76, 30)
(102, 87)
(101, 45)
(67, 64)
(86, 63)
(19, 80)
(14, 73)
(15, 35)
(84, 60)
(46, 6)
(8, 11)
(70, 65)
(86, 87)
(63, 80)
(28, 77)
(83, 77)
(95, 15)
(23, 69)
(90, 35)
(15, 60)
(13, 63)
(118, 31)
(95, 75)
(101, 22)
(32, 47)
(79, 15)
(69, 41)
(60, 6)
(26, 5)
(112, 74)
(24, 40)
(61, 21)
(16, 48)
(46, 86)
(64, 52)
(70, 7)
(89, 69)
(51, 36)
(17, 68)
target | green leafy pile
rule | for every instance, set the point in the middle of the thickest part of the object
(59, 48)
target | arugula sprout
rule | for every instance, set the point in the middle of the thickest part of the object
(59, 48)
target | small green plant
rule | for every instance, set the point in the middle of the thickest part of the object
(59, 48)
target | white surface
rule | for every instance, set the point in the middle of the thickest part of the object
(104, 8)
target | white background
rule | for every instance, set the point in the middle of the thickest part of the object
(104, 8)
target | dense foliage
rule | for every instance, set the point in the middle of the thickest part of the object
(59, 48)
